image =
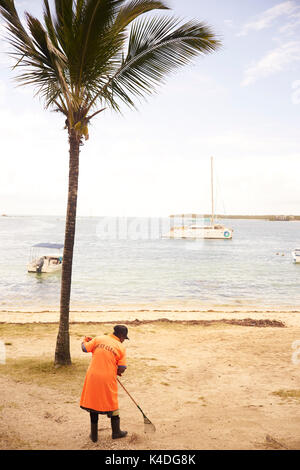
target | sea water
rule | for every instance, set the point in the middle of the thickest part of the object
(116, 263)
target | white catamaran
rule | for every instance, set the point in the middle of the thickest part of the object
(194, 231)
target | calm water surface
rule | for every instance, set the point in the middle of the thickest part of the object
(250, 269)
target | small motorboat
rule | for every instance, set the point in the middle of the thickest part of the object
(296, 255)
(45, 258)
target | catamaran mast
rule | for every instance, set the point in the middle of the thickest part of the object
(212, 192)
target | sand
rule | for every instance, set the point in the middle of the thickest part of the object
(207, 378)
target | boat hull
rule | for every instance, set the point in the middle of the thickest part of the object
(296, 257)
(43, 270)
(47, 267)
(199, 233)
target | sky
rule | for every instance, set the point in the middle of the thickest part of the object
(240, 105)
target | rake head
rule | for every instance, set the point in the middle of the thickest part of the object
(148, 426)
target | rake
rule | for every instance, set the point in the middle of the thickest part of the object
(148, 426)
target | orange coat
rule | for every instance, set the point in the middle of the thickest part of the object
(100, 389)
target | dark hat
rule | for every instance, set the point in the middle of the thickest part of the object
(121, 330)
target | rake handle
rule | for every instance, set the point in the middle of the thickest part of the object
(129, 394)
(146, 420)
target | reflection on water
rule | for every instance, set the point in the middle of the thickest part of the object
(45, 277)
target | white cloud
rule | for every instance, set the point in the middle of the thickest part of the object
(267, 18)
(272, 62)
(292, 26)
(285, 20)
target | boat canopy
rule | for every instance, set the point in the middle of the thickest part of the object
(56, 246)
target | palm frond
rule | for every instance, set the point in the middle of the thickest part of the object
(135, 8)
(39, 37)
(157, 47)
(18, 36)
(49, 24)
(63, 24)
(94, 43)
(115, 38)
(81, 56)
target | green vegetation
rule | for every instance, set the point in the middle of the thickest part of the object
(42, 372)
(38, 330)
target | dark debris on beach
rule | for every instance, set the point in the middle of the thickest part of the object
(264, 323)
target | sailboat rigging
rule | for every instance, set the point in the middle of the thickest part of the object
(194, 231)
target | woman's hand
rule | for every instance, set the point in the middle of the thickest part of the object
(86, 339)
(120, 370)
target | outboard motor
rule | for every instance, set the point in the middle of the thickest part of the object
(39, 265)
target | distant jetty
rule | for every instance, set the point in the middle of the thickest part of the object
(251, 217)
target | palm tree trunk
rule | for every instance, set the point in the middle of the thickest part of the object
(62, 352)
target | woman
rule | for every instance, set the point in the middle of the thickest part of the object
(100, 389)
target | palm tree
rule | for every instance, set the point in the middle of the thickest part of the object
(89, 55)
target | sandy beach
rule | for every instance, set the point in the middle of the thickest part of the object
(206, 379)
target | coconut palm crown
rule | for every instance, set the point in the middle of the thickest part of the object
(88, 55)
